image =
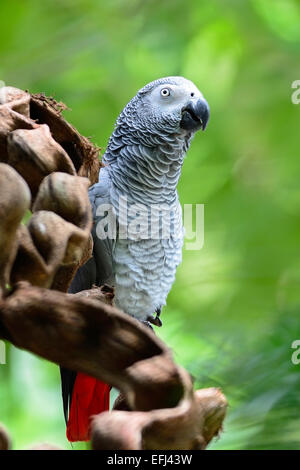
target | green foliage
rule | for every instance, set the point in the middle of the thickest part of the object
(233, 312)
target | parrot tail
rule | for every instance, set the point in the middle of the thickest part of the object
(89, 396)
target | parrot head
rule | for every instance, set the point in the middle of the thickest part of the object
(168, 105)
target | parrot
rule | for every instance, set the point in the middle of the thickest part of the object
(141, 169)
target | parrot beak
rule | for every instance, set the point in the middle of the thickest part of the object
(195, 115)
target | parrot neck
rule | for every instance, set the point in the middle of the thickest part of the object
(146, 169)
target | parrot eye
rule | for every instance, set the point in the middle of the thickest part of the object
(165, 92)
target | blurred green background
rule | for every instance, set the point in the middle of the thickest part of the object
(233, 312)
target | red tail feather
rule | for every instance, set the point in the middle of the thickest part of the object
(90, 397)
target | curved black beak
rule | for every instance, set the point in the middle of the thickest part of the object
(195, 115)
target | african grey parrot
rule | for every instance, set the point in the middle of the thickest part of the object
(143, 162)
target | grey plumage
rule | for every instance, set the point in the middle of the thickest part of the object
(143, 162)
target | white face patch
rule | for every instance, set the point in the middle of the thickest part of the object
(170, 98)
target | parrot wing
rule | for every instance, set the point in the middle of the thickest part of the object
(99, 269)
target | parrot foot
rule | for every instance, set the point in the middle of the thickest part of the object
(147, 323)
(155, 321)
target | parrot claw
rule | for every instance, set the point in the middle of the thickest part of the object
(147, 323)
(156, 321)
